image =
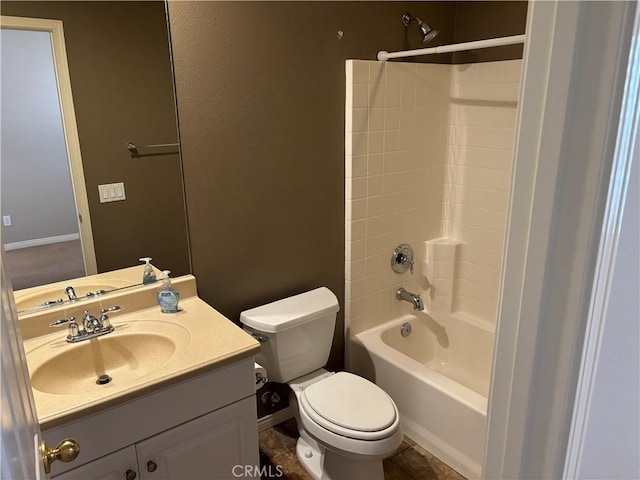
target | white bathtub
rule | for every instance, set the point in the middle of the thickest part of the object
(439, 378)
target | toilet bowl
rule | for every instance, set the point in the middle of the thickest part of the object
(347, 424)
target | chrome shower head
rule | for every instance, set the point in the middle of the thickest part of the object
(426, 31)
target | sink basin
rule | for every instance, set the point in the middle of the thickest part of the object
(134, 350)
(30, 298)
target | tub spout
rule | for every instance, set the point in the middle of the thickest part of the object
(415, 300)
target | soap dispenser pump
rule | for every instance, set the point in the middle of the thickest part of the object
(148, 275)
(167, 297)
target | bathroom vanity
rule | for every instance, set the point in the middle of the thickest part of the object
(200, 428)
(164, 396)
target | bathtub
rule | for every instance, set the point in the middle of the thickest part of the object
(438, 376)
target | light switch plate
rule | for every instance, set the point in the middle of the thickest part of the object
(111, 192)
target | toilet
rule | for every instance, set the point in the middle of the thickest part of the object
(347, 424)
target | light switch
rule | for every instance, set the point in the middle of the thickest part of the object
(111, 192)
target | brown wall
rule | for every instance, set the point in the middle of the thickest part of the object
(120, 67)
(261, 93)
(479, 20)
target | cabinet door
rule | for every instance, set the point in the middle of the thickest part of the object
(120, 465)
(214, 446)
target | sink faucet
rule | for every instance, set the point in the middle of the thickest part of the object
(71, 293)
(415, 300)
(92, 327)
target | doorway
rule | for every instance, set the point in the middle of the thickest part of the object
(46, 222)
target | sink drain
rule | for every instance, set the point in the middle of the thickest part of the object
(103, 379)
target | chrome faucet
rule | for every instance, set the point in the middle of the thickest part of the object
(71, 293)
(92, 327)
(415, 300)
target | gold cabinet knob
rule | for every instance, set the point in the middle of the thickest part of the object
(66, 451)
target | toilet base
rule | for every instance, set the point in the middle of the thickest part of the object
(323, 464)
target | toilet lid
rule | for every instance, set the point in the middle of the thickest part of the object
(351, 402)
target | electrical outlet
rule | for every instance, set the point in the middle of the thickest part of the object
(6, 220)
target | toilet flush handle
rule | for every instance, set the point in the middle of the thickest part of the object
(260, 338)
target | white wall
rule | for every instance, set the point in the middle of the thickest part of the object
(612, 435)
(36, 183)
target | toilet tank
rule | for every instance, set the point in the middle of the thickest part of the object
(295, 333)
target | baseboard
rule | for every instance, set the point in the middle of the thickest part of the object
(274, 419)
(36, 242)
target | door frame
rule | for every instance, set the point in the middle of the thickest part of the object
(570, 112)
(69, 124)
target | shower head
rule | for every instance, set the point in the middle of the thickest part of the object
(426, 31)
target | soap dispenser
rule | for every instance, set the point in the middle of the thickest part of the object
(148, 275)
(167, 297)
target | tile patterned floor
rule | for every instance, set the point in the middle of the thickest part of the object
(410, 462)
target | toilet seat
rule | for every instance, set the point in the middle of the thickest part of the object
(350, 406)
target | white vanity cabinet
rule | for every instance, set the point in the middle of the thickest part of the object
(208, 447)
(120, 465)
(197, 429)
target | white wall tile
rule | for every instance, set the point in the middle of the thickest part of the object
(360, 97)
(392, 94)
(392, 118)
(376, 72)
(357, 167)
(376, 142)
(439, 150)
(359, 121)
(509, 71)
(376, 95)
(355, 251)
(393, 74)
(356, 143)
(376, 119)
(356, 188)
(360, 71)
(357, 230)
(375, 164)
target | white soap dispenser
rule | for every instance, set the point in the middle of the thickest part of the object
(167, 297)
(148, 275)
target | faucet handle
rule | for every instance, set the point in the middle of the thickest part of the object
(71, 293)
(402, 258)
(115, 308)
(104, 318)
(62, 321)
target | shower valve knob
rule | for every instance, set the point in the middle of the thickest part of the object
(402, 259)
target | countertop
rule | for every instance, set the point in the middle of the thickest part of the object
(212, 341)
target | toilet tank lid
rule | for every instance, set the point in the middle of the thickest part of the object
(292, 311)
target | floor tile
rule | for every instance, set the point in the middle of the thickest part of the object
(410, 462)
(420, 464)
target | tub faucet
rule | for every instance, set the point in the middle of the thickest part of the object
(415, 300)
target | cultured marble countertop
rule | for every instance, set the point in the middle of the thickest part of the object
(207, 341)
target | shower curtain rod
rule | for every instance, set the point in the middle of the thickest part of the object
(456, 47)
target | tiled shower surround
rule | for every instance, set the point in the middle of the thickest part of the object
(429, 151)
